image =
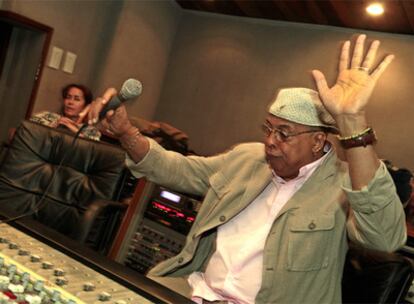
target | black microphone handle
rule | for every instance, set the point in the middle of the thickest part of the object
(114, 103)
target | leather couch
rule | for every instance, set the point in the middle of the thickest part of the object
(372, 276)
(69, 185)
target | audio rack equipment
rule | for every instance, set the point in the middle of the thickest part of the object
(158, 228)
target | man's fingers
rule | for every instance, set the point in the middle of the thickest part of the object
(96, 107)
(370, 57)
(343, 60)
(108, 94)
(83, 114)
(85, 110)
(358, 52)
(382, 66)
(98, 104)
(320, 81)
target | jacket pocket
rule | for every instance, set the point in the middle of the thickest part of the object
(309, 242)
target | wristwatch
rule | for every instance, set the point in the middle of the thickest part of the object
(367, 137)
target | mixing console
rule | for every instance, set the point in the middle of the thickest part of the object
(32, 272)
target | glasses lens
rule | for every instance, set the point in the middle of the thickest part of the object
(278, 135)
(266, 130)
(281, 135)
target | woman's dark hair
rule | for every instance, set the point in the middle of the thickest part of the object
(402, 180)
(87, 94)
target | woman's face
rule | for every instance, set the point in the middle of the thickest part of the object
(73, 103)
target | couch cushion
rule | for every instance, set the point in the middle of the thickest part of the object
(90, 170)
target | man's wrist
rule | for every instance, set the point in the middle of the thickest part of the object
(130, 138)
(351, 124)
(131, 130)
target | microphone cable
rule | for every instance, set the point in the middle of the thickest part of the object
(41, 203)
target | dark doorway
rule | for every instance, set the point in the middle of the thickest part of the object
(23, 48)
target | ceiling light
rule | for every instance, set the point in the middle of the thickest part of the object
(375, 9)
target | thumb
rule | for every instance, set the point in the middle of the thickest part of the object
(320, 81)
(83, 114)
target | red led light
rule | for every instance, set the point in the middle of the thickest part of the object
(10, 294)
(172, 212)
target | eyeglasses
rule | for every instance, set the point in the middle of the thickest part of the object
(281, 135)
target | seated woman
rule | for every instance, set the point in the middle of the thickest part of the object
(76, 100)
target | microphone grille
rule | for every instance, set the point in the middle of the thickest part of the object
(130, 89)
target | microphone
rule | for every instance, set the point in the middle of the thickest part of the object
(130, 89)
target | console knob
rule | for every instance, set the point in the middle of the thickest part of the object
(104, 296)
(61, 281)
(34, 258)
(15, 279)
(4, 282)
(33, 299)
(11, 270)
(56, 296)
(59, 272)
(88, 286)
(16, 288)
(23, 252)
(47, 265)
(25, 279)
(13, 246)
(38, 285)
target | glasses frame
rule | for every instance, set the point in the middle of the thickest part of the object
(281, 135)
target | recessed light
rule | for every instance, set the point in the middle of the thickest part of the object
(375, 9)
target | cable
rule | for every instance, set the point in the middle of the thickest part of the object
(40, 204)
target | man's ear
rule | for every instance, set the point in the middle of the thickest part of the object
(319, 139)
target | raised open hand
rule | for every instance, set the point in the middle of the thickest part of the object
(356, 79)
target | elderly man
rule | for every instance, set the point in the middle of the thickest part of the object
(276, 220)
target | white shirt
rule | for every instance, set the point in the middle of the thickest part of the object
(234, 272)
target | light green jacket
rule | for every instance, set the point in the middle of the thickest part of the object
(305, 250)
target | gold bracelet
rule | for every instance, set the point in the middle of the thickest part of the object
(353, 136)
(131, 139)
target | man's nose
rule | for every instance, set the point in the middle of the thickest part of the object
(270, 139)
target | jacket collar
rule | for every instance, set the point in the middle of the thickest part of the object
(325, 170)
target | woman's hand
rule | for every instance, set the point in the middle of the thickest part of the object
(68, 123)
(116, 121)
(83, 115)
(356, 79)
